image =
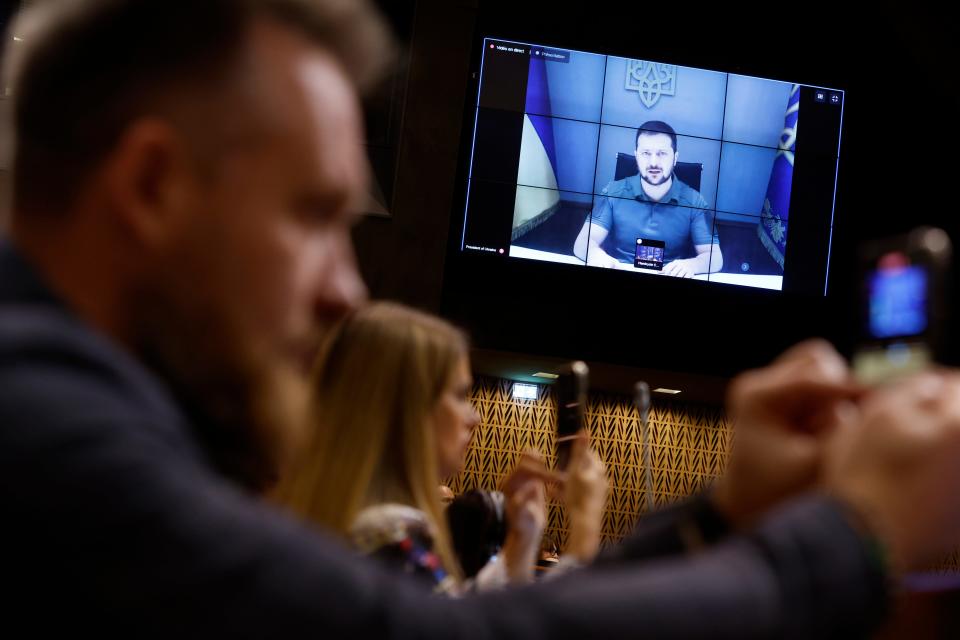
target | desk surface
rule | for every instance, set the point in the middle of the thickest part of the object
(547, 256)
(740, 279)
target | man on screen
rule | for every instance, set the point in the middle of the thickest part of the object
(652, 205)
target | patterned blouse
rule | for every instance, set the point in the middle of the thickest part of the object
(401, 536)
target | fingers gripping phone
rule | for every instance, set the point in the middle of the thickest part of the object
(571, 386)
(903, 304)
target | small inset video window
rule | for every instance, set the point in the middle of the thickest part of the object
(649, 254)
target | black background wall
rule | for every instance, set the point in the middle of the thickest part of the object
(897, 170)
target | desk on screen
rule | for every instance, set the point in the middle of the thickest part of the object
(739, 279)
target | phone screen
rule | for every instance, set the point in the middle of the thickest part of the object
(649, 254)
(897, 299)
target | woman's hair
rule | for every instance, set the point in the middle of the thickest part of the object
(382, 372)
(478, 528)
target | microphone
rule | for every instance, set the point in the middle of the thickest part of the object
(641, 398)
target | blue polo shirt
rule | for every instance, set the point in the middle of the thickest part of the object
(680, 219)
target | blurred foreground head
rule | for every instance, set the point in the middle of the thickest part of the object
(186, 175)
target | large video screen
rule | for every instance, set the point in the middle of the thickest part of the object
(649, 167)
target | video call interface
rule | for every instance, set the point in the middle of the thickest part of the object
(653, 168)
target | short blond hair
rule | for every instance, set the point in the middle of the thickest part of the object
(85, 69)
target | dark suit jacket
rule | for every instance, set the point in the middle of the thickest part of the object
(115, 522)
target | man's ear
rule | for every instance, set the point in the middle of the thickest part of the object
(147, 178)
(676, 158)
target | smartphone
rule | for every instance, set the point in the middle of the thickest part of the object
(903, 304)
(571, 386)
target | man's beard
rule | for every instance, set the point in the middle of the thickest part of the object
(248, 407)
(665, 175)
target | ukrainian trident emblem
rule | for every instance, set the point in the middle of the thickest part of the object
(651, 80)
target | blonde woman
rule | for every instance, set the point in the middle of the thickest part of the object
(394, 418)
